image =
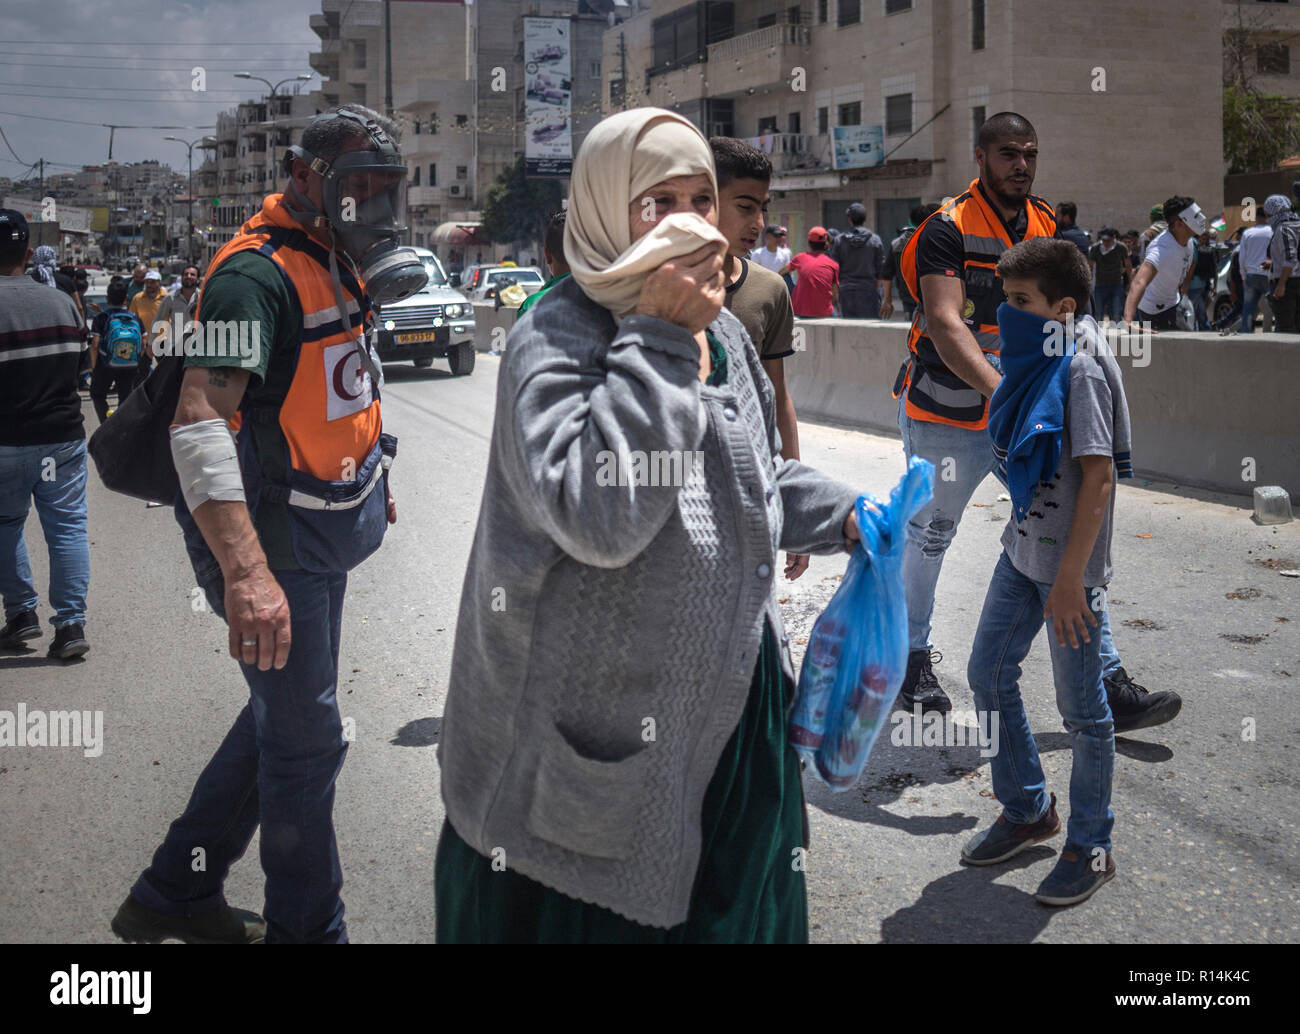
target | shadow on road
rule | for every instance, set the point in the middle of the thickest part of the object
(405, 372)
(423, 732)
(968, 907)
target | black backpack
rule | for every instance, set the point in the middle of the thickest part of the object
(132, 449)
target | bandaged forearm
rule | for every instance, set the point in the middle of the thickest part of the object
(207, 465)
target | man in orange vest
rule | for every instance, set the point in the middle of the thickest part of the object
(282, 465)
(952, 370)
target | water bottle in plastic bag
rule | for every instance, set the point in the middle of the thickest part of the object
(857, 653)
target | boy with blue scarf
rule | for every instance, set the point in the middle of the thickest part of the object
(1060, 429)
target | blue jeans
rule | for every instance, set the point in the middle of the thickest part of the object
(930, 532)
(1012, 617)
(277, 767)
(1254, 287)
(1108, 300)
(1196, 292)
(54, 476)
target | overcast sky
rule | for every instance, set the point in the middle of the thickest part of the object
(129, 62)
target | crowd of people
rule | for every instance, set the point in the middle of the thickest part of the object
(614, 758)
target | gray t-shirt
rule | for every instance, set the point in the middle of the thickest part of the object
(1036, 546)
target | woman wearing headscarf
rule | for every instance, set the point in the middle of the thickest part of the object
(614, 757)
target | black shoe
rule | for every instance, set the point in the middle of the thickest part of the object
(225, 925)
(1134, 708)
(19, 628)
(69, 641)
(920, 686)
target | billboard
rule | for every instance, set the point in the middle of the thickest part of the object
(548, 97)
(857, 147)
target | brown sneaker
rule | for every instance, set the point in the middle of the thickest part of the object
(1004, 839)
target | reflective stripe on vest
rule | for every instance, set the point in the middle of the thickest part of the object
(932, 391)
(330, 417)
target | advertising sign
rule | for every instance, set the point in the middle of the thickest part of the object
(548, 95)
(857, 147)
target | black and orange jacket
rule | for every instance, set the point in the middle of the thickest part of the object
(932, 391)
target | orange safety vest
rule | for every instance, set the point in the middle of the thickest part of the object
(330, 417)
(932, 391)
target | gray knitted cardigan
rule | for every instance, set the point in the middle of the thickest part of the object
(609, 627)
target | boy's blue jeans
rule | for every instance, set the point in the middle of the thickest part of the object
(962, 459)
(277, 767)
(1012, 617)
(54, 476)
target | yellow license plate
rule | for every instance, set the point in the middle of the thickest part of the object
(410, 339)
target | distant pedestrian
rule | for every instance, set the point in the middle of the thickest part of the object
(1067, 212)
(146, 305)
(42, 450)
(1159, 224)
(1204, 276)
(860, 254)
(891, 278)
(1110, 266)
(773, 255)
(1252, 253)
(116, 343)
(553, 253)
(1284, 263)
(136, 284)
(817, 291)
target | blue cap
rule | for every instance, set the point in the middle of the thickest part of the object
(13, 226)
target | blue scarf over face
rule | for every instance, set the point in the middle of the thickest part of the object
(1027, 411)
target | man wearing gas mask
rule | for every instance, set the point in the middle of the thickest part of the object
(283, 468)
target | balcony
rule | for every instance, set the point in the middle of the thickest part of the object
(325, 63)
(799, 152)
(423, 197)
(733, 67)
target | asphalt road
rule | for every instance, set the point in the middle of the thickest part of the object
(1206, 820)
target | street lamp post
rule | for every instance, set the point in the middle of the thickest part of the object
(189, 155)
(301, 77)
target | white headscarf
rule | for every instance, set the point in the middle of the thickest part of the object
(622, 156)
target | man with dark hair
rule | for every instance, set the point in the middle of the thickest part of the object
(953, 370)
(817, 291)
(308, 396)
(861, 255)
(1110, 267)
(755, 295)
(136, 284)
(42, 449)
(113, 331)
(1067, 228)
(1165, 274)
(891, 279)
(553, 253)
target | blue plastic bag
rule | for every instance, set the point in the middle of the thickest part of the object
(857, 653)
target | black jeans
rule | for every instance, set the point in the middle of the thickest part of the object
(1167, 320)
(105, 378)
(1286, 310)
(859, 301)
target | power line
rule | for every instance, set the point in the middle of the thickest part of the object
(137, 44)
(11, 147)
(100, 125)
(104, 97)
(242, 65)
(123, 89)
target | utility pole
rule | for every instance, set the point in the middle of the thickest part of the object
(388, 58)
(41, 163)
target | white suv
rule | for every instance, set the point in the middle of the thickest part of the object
(434, 323)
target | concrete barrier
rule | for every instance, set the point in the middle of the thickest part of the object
(491, 325)
(1213, 412)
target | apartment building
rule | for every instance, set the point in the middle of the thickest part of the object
(1127, 111)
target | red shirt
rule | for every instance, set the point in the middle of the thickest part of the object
(818, 273)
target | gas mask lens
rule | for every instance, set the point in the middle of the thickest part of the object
(369, 219)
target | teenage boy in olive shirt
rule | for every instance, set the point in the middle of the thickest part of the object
(756, 296)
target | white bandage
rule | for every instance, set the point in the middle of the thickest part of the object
(207, 465)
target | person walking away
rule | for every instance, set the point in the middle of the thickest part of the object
(817, 291)
(553, 253)
(891, 277)
(755, 295)
(1252, 253)
(117, 340)
(42, 450)
(950, 373)
(145, 305)
(628, 595)
(861, 255)
(1204, 275)
(1067, 228)
(1166, 270)
(1284, 263)
(1060, 428)
(277, 573)
(1108, 261)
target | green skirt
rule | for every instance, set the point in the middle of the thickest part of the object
(749, 887)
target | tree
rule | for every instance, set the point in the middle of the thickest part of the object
(517, 208)
(1259, 129)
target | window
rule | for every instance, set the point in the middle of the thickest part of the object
(462, 120)
(417, 127)
(850, 114)
(977, 24)
(898, 114)
(617, 92)
(849, 13)
(792, 123)
(1273, 59)
(823, 120)
(894, 6)
(433, 174)
(593, 70)
(823, 11)
(462, 172)
(719, 118)
(767, 125)
(977, 118)
(415, 177)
